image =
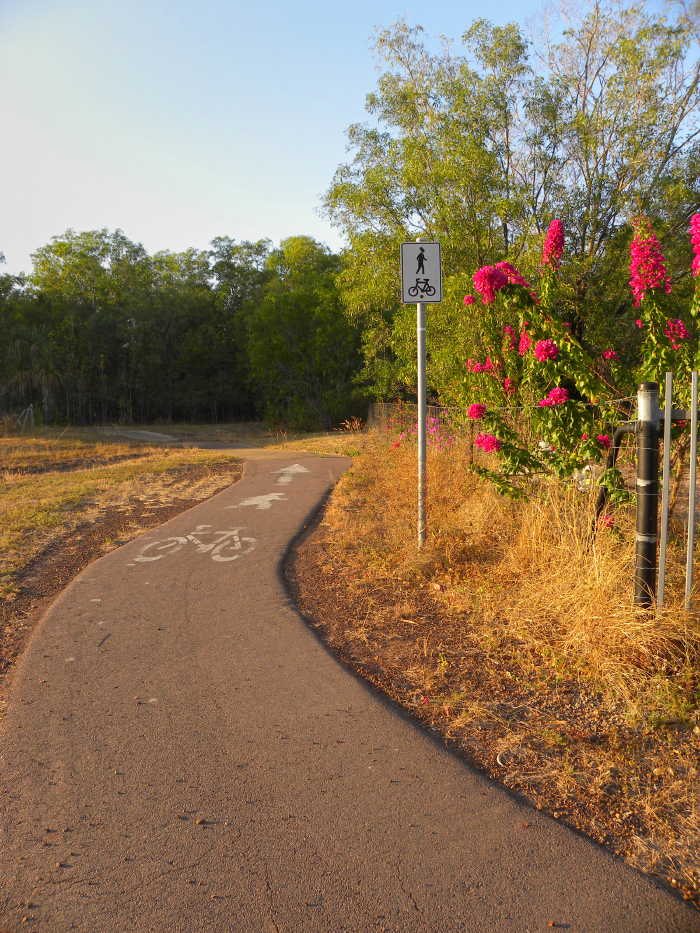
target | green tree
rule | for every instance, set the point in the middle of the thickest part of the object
(482, 150)
(240, 272)
(304, 353)
(86, 282)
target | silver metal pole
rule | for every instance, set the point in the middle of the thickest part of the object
(422, 417)
(668, 404)
(691, 492)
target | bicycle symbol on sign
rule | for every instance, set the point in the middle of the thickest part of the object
(423, 287)
(229, 546)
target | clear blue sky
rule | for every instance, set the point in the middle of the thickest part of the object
(179, 121)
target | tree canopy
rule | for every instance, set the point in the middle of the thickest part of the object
(592, 121)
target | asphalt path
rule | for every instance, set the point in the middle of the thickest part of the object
(181, 753)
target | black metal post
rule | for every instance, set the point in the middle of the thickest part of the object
(647, 493)
(629, 428)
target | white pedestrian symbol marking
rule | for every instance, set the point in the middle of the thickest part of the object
(288, 474)
(227, 546)
(262, 502)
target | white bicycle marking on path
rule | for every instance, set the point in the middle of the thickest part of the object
(220, 549)
(229, 541)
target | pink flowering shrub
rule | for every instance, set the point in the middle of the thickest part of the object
(546, 350)
(553, 245)
(469, 300)
(488, 280)
(568, 428)
(646, 263)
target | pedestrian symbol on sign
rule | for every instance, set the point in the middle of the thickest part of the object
(421, 262)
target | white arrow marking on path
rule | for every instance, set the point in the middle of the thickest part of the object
(288, 474)
(262, 502)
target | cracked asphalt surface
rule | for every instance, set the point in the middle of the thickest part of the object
(181, 753)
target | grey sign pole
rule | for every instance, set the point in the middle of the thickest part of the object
(668, 419)
(421, 281)
(422, 415)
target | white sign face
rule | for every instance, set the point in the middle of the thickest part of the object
(421, 273)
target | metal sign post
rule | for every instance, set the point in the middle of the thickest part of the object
(647, 493)
(668, 420)
(421, 278)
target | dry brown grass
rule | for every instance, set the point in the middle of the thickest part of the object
(519, 640)
(49, 485)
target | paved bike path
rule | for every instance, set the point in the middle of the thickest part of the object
(181, 753)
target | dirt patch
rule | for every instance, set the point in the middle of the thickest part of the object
(71, 550)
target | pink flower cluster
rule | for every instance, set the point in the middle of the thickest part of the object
(509, 386)
(556, 397)
(607, 521)
(546, 350)
(647, 264)
(676, 330)
(476, 411)
(553, 245)
(433, 429)
(469, 300)
(604, 440)
(510, 334)
(488, 280)
(488, 443)
(515, 278)
(609, 355)
(695, 240)
(524, 344)
(486, 367)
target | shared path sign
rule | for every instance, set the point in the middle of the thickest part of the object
(421, 272)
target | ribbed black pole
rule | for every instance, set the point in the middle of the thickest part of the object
(647, 493)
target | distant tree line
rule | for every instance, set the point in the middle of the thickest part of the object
(102, 331)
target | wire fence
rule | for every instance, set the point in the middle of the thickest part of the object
(403, 416)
